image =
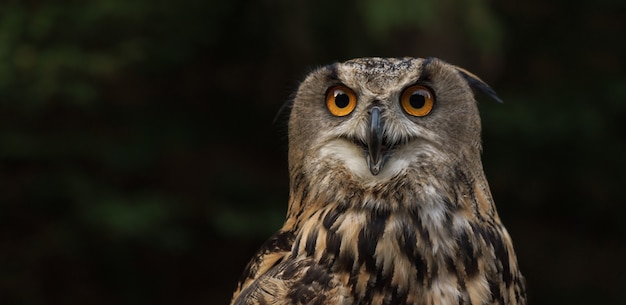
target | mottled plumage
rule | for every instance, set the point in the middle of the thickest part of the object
(388, 200)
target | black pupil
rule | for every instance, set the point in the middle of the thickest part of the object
(417, 100)
(342, 100)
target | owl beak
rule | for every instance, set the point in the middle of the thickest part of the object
(375, 142)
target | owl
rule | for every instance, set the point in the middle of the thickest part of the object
(388, 200)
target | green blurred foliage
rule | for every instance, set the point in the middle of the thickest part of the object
(140, 164)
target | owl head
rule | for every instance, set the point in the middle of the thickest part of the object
(374, 118)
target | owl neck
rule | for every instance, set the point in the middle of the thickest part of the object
(456, 192)
(360, 215)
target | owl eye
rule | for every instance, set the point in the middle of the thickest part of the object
(417, 100)
(340, 100)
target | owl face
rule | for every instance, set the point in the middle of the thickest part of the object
(376, 118)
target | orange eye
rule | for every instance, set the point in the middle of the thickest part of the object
(340, 100)
(417, 100)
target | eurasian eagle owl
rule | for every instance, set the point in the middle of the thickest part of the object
(388, 201)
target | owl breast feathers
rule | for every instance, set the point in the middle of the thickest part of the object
(388, 200)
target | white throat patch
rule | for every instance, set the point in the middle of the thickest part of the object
(353, 158)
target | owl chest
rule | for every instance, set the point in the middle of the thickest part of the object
(387, 258)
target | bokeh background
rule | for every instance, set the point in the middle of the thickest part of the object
(140, 163)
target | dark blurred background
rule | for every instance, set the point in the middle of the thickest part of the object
(140, 164)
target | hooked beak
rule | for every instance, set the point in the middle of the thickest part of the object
(375, 159)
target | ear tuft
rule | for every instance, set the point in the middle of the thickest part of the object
(477, 84)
